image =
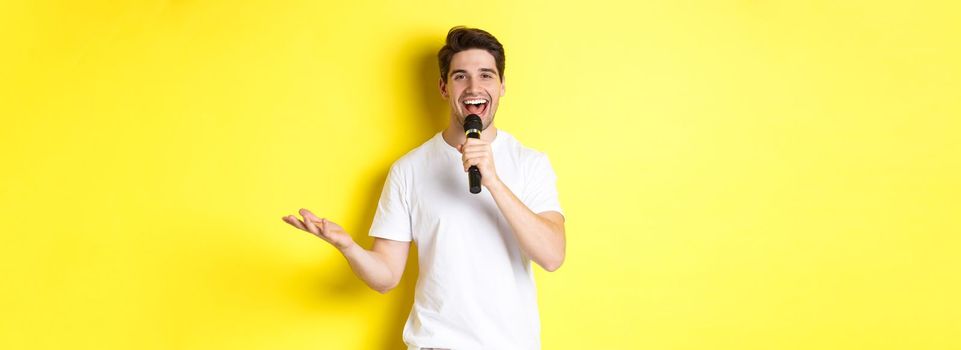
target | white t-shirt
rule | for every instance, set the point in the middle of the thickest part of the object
(475, 288)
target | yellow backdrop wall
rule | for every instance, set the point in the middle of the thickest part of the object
(736, 174)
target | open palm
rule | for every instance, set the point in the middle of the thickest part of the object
(321, 227)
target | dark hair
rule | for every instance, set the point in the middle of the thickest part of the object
(462, 38)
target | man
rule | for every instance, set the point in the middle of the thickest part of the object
(475, 288)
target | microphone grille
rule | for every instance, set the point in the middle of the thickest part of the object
(473, 122)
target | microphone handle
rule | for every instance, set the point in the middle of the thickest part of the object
(473, 174)
(474, 178)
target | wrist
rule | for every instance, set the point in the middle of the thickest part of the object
(349, 248)
(495, 184)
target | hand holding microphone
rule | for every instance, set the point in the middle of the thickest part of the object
(477, 156)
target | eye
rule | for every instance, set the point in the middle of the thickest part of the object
(487, 76)
(458, 76)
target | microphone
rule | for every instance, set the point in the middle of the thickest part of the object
(472, 127)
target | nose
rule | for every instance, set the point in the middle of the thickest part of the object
(472, 87)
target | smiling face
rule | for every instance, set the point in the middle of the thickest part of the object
(473, 86)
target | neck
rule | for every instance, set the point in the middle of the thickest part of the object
(454, 134)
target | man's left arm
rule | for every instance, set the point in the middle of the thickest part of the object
(541, 235)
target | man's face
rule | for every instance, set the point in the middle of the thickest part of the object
(473, 86)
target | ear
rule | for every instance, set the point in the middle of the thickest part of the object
(503, 88)
(443, 87)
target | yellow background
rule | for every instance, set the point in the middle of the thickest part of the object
(736, 175)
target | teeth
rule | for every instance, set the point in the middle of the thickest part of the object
(475, 102)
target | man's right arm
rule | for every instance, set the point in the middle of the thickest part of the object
(380, 268)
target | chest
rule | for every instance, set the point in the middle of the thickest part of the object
(441, 203)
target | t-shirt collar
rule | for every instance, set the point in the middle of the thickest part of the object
(499, 139)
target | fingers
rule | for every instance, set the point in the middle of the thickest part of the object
(308, 216)
(309, 224)
(321, 227)
(472, 141)
(473, 155)
(472, 144)
(474, 147)
(292, 220)
(311, 227)
(474, 158)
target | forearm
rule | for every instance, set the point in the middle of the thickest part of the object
(542, 240)
(369, 267)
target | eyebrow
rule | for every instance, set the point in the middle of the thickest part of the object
(465, 72)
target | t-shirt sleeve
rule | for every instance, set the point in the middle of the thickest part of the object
(392, 218)
(540, 194)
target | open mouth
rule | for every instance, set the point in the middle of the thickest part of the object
(476, 105)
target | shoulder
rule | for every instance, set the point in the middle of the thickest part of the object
(413, 158)
(524, 154)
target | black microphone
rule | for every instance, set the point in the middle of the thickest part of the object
(472, 127)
